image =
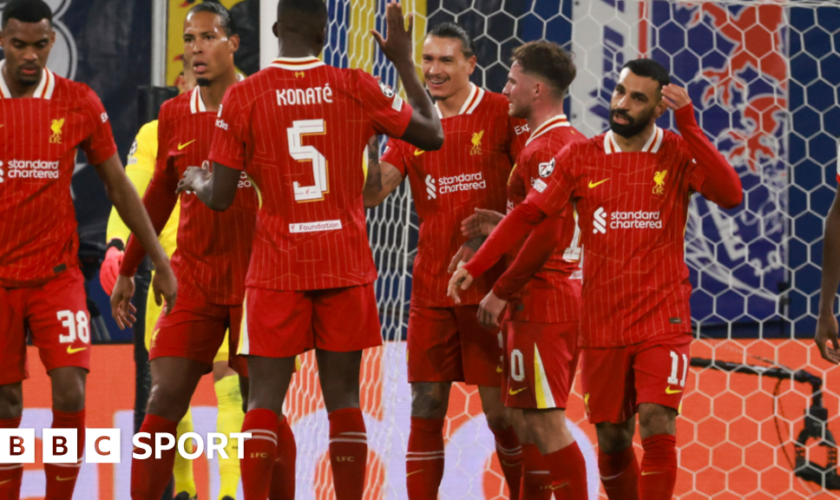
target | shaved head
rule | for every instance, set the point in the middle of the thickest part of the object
(302, 23)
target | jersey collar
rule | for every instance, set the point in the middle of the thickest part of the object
(472, 102)
(551, 123)
(197, 103)
(45, 88)
(297, 63)
(651, 146)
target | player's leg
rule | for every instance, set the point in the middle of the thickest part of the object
(345, 322)
(661, 371)
(182, 352)
(229, 417)
(12, 372)
(275, 328)
(434, 362)
(542, 360)
(60, 327)
(182, 469)
(482, 354)
(11, 409)
(609, 398)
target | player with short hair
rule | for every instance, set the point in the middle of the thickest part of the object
(212, 251)
(632, 187)
(44, 119)
(446, 344)
(541, 290)
(297, 128)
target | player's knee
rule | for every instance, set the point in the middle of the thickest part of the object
(656, 419)
(614, 438)
(429, 400)
(11, 401)
(498, 418)
(166, 402)
(68, 389)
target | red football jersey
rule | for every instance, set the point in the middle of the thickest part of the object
(470, 171)
(38, 141)
(298, 129)
(553, 294)
(633, 209)
(211, 258)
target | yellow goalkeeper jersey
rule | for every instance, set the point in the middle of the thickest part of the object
(140, 168)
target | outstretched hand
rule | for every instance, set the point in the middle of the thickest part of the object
(481, 223)
(826, 338)
(397, 47)
(460, 280)
(675, 96)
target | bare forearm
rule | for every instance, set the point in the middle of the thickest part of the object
(382, 180)
(414, 91)
(831, 260)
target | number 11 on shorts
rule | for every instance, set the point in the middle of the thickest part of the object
(675, 370)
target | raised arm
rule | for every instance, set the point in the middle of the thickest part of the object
(424, 130)
(382, 177)
(826, 337)
(216, 189)
(715, 178)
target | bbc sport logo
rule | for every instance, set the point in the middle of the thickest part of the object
(102, 446)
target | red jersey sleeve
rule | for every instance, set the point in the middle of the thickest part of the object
(232, 130)
(388, 111)
(160, 198)
(395, 155)
(536, 251)
(551, 193)
(99, 145)
(510, 231)
(712, 176)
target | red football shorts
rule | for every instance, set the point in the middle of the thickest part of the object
(195, 330)
(280, 324)
(447, 344)
(56, 317)
(541, 363)
(617, 380)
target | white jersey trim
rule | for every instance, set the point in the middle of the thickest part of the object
(296, 63)
(197, 102)
(472, 102)
(45, 88)
(550, 124)
(651, 146)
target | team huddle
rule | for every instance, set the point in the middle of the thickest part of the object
(273, 259)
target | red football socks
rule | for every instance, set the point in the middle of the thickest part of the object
(620, 474)
(150, 476)
(348, 453)
(568, 473)
(659, 467)
(425, 458)
(10, 474)
(283, 473)
(259, 453)
(510, 458)
(61, 478)
(536, 478)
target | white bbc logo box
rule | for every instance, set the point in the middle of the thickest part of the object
(59, 446)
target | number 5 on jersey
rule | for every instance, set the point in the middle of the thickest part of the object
(301, 153)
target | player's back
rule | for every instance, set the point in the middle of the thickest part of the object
(213, 247)
(553, 295)
(39, 137)
(301, 128)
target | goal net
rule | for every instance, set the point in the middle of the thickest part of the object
(760, 405)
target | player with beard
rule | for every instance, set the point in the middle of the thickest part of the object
(212, 248)
(446, 344)
(632, 188)
(44, 119)
(541, 290)
(296, 128)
